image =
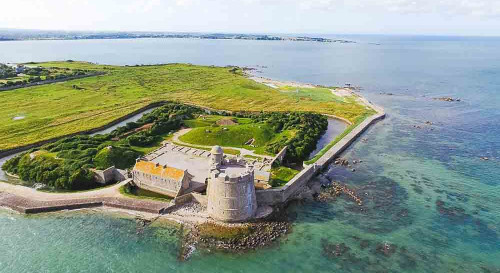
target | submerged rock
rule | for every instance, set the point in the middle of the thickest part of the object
(386, 249)
(448, 99)
(334, 250)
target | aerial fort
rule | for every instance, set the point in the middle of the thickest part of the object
(229, 181)
(184, 158)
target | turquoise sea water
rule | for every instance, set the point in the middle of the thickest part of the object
(430, 203)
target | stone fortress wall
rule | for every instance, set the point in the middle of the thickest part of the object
(231, 198)
(110, 174)
(283, 194)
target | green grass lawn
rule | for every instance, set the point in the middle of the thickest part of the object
(209, 120)
(138, 193)
(311, 94)
(59, 109)
(230, 136)
(281, 175)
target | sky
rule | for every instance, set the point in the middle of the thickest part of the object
(412, 17)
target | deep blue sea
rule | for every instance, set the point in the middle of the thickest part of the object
(431, 204)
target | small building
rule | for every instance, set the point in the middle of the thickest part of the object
(20, 68)
(109, 175)
(161, 179)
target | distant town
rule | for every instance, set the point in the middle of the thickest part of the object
(17, 34)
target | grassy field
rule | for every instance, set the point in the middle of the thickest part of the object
(59, 109)
(204, 133)
(230, 136)
(311, 94)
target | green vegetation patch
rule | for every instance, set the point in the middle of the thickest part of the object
(222, 232)
(56, 110)
(67, 164)
(281, 175)
(232, 136)
(36, 74)
(138, 193)
(265, 133)
(311, 94)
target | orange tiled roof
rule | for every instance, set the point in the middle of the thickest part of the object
(161, 171)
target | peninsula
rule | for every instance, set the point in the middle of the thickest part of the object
(16, 35)
(219, 147)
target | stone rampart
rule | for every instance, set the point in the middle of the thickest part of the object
(191, 197)
(345, 142)
(283, 194)
(104, 176)
(30, 206)
(279, 157)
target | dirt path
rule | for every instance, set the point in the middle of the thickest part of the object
(30, 193)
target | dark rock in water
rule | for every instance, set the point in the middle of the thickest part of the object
(448, 99)
(142, 224)
(453, 213)
(418, 189)
(407, 260)
(342, 162)
(386, 249)
(364, 244)
(246, 236)
(334, 250)
(487, 269)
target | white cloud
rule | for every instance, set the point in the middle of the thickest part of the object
(327, 16)
(444, 7)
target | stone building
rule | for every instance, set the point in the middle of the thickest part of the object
(109, 175)
(231, 189)
(161, 179)
(230, 182)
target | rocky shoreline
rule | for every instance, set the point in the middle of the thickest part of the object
(236, 237)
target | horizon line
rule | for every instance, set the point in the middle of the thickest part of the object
(252, 33)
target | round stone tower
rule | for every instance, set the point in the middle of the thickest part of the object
(231, 197)
(217, 156)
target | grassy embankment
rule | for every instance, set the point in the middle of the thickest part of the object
(206, 132)
(59, 109)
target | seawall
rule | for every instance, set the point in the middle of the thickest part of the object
(293, 187)
(31, 206)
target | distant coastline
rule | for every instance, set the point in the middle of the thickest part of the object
(22, 35)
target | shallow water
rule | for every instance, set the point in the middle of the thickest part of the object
(427, 195)
(335, 128)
